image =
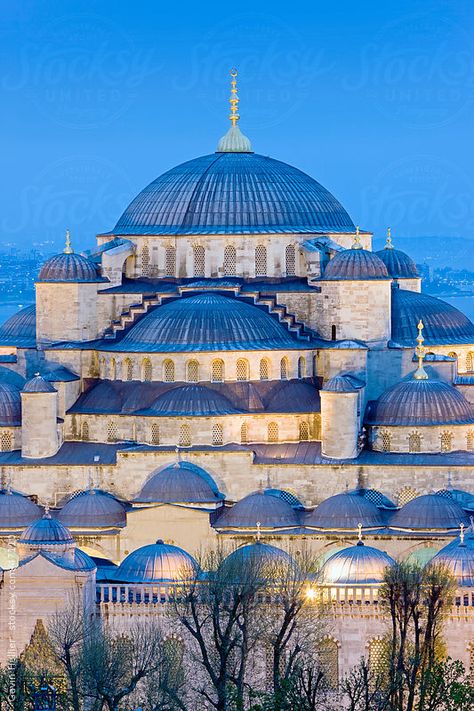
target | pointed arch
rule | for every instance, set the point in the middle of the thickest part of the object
(85, 434)
(112, 369)
(168, 370)
(301, 367)
(414, 442)
(147, 370)
(230, 260)
(260, 260)
(192, 371)
(128, 368)
(185, 436)
(264, 369)
(242, 369)
(446, 441)
(290, 259)
(284, 368)
(199, 261)
(217, 434)
(303, 432)
(155, 433)
(170, 261)
(272, 432)
(217, 370)
(244, 433)
(146, 261)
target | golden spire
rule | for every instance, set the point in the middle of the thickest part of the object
(68, 249)
(234, 99)
(420, 351)
(234, 141)
(357, 244)
(388, 243)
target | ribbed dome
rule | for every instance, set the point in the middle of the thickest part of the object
(269, 511)
(442, 323)
(157, 563)
(233, 193)
(343, 383)
(421, 402)
(355, 264)
(46, 531)
(68, 267)
(206, 322)
(357, 565)
(463, 498)
(192, 400)
(93, 509)
(180, 483)
(458, 558)
(38, 384)
(16, 510)
(399, 264)
(429, 512)
(10, 405)
(257, 561)
(20, 329)
(345, 511)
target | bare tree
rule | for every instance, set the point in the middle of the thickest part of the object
(365, 690)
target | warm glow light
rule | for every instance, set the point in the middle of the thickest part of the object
(310, 593)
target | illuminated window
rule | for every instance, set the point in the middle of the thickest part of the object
(301, 367)
(145, 261)
(470, 440)
(230, 261)
(452, 354)
(328, 653)
(446, 439)
(128, 369)
(290, 255)
(85, 431)
(192, 371)
(168, 371)
(315, 366)
(155, 433)
(102, 367)
(414, 442)
(242, 369)
(6, 442)
(284, 368)
(304, 432)
(317, 427)
(112, 369)
(272, 432)
(170, 261)
(185, 436)
(264, 369)
(217, 371)
(172, 670)
(470, 361)
(217, 434)
(260, 260)
(147, 370)
(386, 441)
(112, 432)
(244, 433)
(199, 261)
(407, 494)
(377, 656)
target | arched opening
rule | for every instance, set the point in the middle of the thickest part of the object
(264, 369)
(446, 441)
(128, 369)
(230, 261)
(333, 332)
(386, 438)
(377, 655)
(155, 433)
(414, 442)
(272, 432)
(217, 371)
(470, 440)
(85, 432)
(407, 494)
(244, 435)
(304, 432)
(192, 371)
(284, 368)
(260, 260)
(301, 367)
(217, 434)
(328, 653)
(147, 370)
(199, 255)
(112, 369)
(290, 259)
(146, 261)
(168, 371)
(112, 431)
(6, 442)
(170, 261)
(242, 369)
(470, 361)
(184, 436)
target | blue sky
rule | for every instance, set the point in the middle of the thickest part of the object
(375, 100)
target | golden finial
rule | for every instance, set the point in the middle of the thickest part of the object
(420, 351)
(461, 534)
(388, 243)
(68, 249)
(357, 244)
(359, 532)
(259, 532)
(234, 99)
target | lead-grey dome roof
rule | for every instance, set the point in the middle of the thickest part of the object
(356, 565)
(458, 558)
(233, 193)
(20, 329)
(38, 384)
(10, 405)
(399, 264)
(68, 267)
(191, 400)
(257, 561)
(355, 264)
(91, 509)
(46, 531)
(181, 482)
(157, 563)
(345, 512)
(269, 511)
(17, 511)
(429, 512)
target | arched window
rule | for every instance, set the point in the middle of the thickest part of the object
(217, 435)
(85, 431)
(112, 432)
(452, 354)
(290, 257)
(168, 371)
(284, 368)
(230, 260)
(446, 441)
(171, 668)
(199, 255)
(471, 662)
(145, 261)
(264, 369)
(170, 261)
(272, 432)
(127, 369)
(185, 436)
(112, 369)
(414, 442)
(6, 442)
(192, 371)
(315, 365)
(470, 440)
(328, 653)
(333, 332)
(147, 370)
(242, 369)
(155, 433)
(470, 361)
(304, 432)
(260, 260)
(377, 655)
(301, 367)
(386, 438)
(217, 371)
(407, 494)
(244, 433)
(102, 367)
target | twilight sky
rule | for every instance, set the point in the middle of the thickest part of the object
(373, 99)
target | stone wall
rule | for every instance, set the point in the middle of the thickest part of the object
(66, 311)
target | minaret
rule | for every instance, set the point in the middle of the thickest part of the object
(234, 140)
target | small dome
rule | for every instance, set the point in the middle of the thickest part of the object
(357, 565)
(20, 329)
(269, 511)
(420, 402)
(343, 383)
(458, 558)
(68, 267)
(263, 560)
(17, 511)
(93, 509)
(463, 498)
(157, 563)
(429, 513)
(399, 265)
(38, 385)
(180, 483)
(345, 512)
(355, 264)
(377, 498)
(192, 400)
(46, 531)
(10, 405)
(234, 141)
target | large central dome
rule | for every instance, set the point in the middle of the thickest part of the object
(233, 193)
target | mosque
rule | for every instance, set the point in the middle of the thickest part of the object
(233, 361)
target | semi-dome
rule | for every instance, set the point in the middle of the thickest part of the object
(10, 405)
(157, 563)
(458, 558)
(420, 402)
(207, 322)
(442, 323)
(464, 498)
(268, 511)
(68, 267)
(399, 265)
(20, 329)
(233, 193)
(46, 531)
(17, 511)
(429, 513)
(356, 565)
(180, 483)
(191, 400)
(345, 512)
(355, 264)
(257, 561)
(93, 509)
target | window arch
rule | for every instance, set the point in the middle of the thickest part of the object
(112, 431)
(446, 441)
(377, 655)
(185, 436)
(168, 371)
(6, 442)
(264, 369)
(284, 368)
(192, 371)
(386, 438)
(301, 367)
(315, 365)
(414, 442)
(170, 261)
(85, 431)
(112, 369)
(328, 653)
(470, 361)
(102, 367)
(230, 260)
(172, 668)
(199, 256)
(304, 431)
(260, 260)
(290, 259)
(147, 370)
(128, 369)
(452, 354)
(146, 261)
(272, 432)
(217, 434)
(407, 494)
(244, 433)
(470, 440)
(155, 433)
(217, 370)
(242, 369)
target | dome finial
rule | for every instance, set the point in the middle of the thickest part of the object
(178, 458)
(420, 351)
(234, 141)
(234, 99)
(461, 534)
(68, 248)
(357, 244)
(388, 243)
(359, 535)
(259, 532)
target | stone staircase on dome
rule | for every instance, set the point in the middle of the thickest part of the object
(269, 303)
